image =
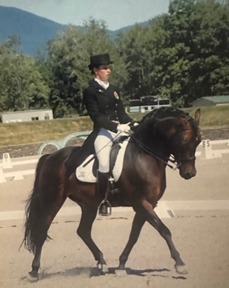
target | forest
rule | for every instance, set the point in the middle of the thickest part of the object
(181, 55)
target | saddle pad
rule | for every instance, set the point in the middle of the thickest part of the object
(85, 174)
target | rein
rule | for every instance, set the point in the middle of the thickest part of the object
(170, 159)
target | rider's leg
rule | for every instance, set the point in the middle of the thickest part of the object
(102, 183)
(103, 144)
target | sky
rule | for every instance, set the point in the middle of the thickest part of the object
(115, 13)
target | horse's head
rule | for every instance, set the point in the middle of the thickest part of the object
(168, 131)
(184, 139)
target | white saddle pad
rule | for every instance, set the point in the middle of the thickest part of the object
(85, 174)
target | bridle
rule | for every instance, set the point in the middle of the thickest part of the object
(171, 161)
(181, 161)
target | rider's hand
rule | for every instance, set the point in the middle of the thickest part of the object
(125, 128)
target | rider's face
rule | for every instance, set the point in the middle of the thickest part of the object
(103, 72)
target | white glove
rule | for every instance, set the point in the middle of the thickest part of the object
(124, 128)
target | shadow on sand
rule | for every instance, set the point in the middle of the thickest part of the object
(89, 272)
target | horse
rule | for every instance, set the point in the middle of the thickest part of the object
(163, 135)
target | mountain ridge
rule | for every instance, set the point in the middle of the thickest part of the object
(33, 31)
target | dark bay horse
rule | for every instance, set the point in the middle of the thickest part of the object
(162, 133)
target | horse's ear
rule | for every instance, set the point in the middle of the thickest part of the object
(197, 116)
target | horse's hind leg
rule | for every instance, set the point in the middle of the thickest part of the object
(39, 218)
(156, 222)
(137, 225)
(84, 231)
(45, 223)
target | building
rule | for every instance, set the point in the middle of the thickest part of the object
(212, 101)
(26, 116)
(148, 103)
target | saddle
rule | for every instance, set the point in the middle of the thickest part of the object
(87, 171)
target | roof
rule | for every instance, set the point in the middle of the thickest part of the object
(25, 111)
(217, 99)
(220, 99)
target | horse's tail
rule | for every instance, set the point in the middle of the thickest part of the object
(33, 212)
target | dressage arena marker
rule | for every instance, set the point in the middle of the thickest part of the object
(209, 153)
(6, 161)
(15, 175)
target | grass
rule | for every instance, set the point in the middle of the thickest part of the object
(213, 117)
(41, 131)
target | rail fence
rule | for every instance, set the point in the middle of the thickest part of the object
(13, 169)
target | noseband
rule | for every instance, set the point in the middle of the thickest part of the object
(180, 162)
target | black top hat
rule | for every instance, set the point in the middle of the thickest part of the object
(97, 60)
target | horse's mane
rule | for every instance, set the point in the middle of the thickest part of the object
(150, 120)
(164, 112)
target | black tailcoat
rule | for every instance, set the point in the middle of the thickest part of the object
(104, 106)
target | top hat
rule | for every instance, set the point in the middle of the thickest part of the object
(97, 60)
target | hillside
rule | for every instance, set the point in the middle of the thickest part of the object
(34, 31)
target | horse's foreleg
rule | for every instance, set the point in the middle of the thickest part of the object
(156, 222)
(84, 231)
(137, 225)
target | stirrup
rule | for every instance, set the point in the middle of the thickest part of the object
(105, 208)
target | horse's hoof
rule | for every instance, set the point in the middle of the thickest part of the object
(95, 272)
(181, 269)
(104, 269)
(32, 277)
(99, 270)
(120, 272)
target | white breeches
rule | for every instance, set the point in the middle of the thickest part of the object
(103, 144)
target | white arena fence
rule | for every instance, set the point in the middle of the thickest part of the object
(13, 169)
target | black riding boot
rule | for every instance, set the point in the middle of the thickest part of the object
(102, 186)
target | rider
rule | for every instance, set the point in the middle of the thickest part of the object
(105, 108)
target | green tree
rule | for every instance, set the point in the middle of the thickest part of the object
(62, 62)
(197, 46)
(133, 47)
(21, 84)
